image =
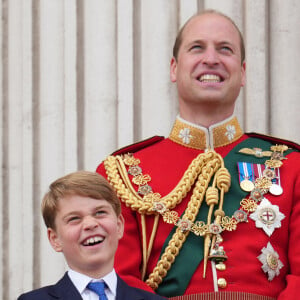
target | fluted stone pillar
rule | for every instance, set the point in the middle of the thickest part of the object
(82, 78)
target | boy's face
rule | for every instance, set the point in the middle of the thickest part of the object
(87, 232)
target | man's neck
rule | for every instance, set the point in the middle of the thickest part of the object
(205, 117)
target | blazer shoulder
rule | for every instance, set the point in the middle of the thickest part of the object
(63, 289)
(139, 145)
(41, 293)
(274, 140)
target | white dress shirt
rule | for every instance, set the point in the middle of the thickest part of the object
(81, 281)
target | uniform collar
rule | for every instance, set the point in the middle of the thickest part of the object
(197, 137)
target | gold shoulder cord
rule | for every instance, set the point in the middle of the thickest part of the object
(200, 172)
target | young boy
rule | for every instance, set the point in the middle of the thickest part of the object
(84, 222)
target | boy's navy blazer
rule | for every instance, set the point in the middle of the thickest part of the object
(64, 289)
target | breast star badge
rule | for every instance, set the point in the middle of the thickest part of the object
(267, 216)
(271, 263)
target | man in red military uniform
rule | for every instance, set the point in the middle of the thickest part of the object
(210, 212)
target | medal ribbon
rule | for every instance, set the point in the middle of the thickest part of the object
(258, 172)
(245, 171)
(277, 178)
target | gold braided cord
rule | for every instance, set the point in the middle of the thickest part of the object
(144, 243)
(179, 237)
(123, 186)
(222, 180)
(151, 240)
(117, 175)
(200, 172)
(147, 252)
(212, 199)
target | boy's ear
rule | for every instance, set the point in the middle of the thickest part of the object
(54, 240)
(120, 226)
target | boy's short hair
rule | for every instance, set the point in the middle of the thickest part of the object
(81, 183)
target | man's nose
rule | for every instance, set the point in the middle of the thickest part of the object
(211, 56)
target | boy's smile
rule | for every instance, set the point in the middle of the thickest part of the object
(93, 241)
(87, 232)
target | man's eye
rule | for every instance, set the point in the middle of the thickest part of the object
(226, 49)
(196, 47)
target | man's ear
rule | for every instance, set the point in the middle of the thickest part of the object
(173, 69)
(54, 240)
(243, 70)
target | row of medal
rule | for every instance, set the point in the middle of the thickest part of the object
(248, 172)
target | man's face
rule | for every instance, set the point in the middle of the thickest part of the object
(208, 69)
(87, 232)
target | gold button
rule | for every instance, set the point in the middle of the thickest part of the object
(222, 283)
(220, 266)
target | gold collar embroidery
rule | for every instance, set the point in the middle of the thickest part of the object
(193, 136)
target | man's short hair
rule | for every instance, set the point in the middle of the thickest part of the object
(178, 39)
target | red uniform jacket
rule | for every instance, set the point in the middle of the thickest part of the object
(166, 161)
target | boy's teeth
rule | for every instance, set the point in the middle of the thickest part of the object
(93, 240)
(209, 78)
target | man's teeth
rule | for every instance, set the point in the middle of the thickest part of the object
(93, 240)
(209, 78)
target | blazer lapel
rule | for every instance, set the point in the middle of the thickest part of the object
(65, 289)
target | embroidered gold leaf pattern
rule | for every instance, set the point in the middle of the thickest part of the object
(263, 183)
(141, 179)
(279, 148)
(171, 217)
(199, 228)
(248, 205)
(228, 223)
(273, 163)
(129, 160)
(152, 197)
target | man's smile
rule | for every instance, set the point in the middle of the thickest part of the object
(210, 78)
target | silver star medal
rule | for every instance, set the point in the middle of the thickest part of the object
(271, 263)
(267, 216)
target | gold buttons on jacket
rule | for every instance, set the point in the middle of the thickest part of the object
(222, 283)
(221, 266)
